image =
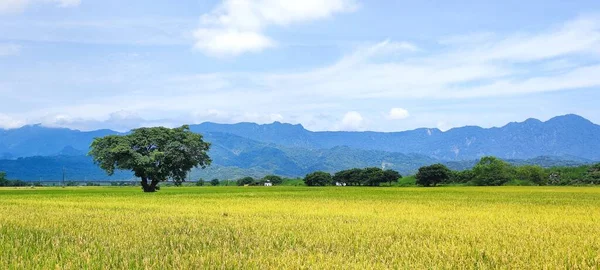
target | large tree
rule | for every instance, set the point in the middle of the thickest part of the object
(153, 154)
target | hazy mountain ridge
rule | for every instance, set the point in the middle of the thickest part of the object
(563, 135)
(291, 150)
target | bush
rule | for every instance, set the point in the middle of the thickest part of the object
(318, 179)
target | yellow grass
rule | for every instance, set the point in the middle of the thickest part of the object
(299, 227)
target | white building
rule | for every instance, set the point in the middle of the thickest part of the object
(268, 184)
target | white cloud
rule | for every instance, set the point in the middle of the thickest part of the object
(398, 114)
(230, 42)
(9, 49)
(14, 6)
(506, 66)
(372, 77)
(352, 121)
(8, 122)
(237, 26)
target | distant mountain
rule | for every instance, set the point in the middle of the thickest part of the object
(35, 151)
(36, 140)
(564, 135)
(51, 168)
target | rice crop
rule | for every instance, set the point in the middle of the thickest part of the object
(300, 228)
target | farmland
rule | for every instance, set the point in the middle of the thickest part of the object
(300, 227)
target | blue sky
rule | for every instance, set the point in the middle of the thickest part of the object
(326, 64)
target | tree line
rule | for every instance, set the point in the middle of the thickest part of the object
(353, 177)
(489, 171)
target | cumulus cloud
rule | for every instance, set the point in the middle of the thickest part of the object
(398, 114)
(237, 26)
(14, 6)
(9, 49)
(352, 121)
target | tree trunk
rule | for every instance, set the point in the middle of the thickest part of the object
(148, 187)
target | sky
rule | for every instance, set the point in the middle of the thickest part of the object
(348, 65)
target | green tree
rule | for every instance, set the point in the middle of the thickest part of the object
(461, 176)
(533, 174)
(432, 175)
(200, 182)
(391, 176)
(372, 176)
(153, 154)
(214, 182)
(276, 180)
(491, 171)
(351, 177)
(592, 175)
(3, 181)
(318, 179)
(245, 181)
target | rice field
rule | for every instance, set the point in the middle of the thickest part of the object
(300, 227)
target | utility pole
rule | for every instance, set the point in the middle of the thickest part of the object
(63, 178)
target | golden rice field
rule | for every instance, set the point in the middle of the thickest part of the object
(300, 227)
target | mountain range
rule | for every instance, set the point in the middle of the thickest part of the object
(35, 151)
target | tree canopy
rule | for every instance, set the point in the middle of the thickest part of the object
(318, 179)
(154, 154)
(245, 181)
(491, 171)
(274, 179)
(432, 175)
(351, 177)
